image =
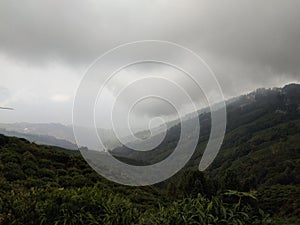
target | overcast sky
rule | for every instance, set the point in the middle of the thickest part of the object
(45, 46)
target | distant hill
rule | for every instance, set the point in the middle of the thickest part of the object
(41, 139)
(55, 134)
(56, 130)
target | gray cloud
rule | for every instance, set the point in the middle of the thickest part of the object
(248, 44)
(262, 33)
(4, 95)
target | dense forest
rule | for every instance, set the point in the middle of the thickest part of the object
(254, 179)
(45, 185)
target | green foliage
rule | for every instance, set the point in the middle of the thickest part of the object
(285, 196)
(41, 189)
(12, 172)
(89, 205)
(201, 210)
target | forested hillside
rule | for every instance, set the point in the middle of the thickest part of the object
(46, 185)
(261, 150)
(254, 179)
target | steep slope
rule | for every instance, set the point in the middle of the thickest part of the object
(261, 149)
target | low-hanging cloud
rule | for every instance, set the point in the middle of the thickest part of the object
(247, 43)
